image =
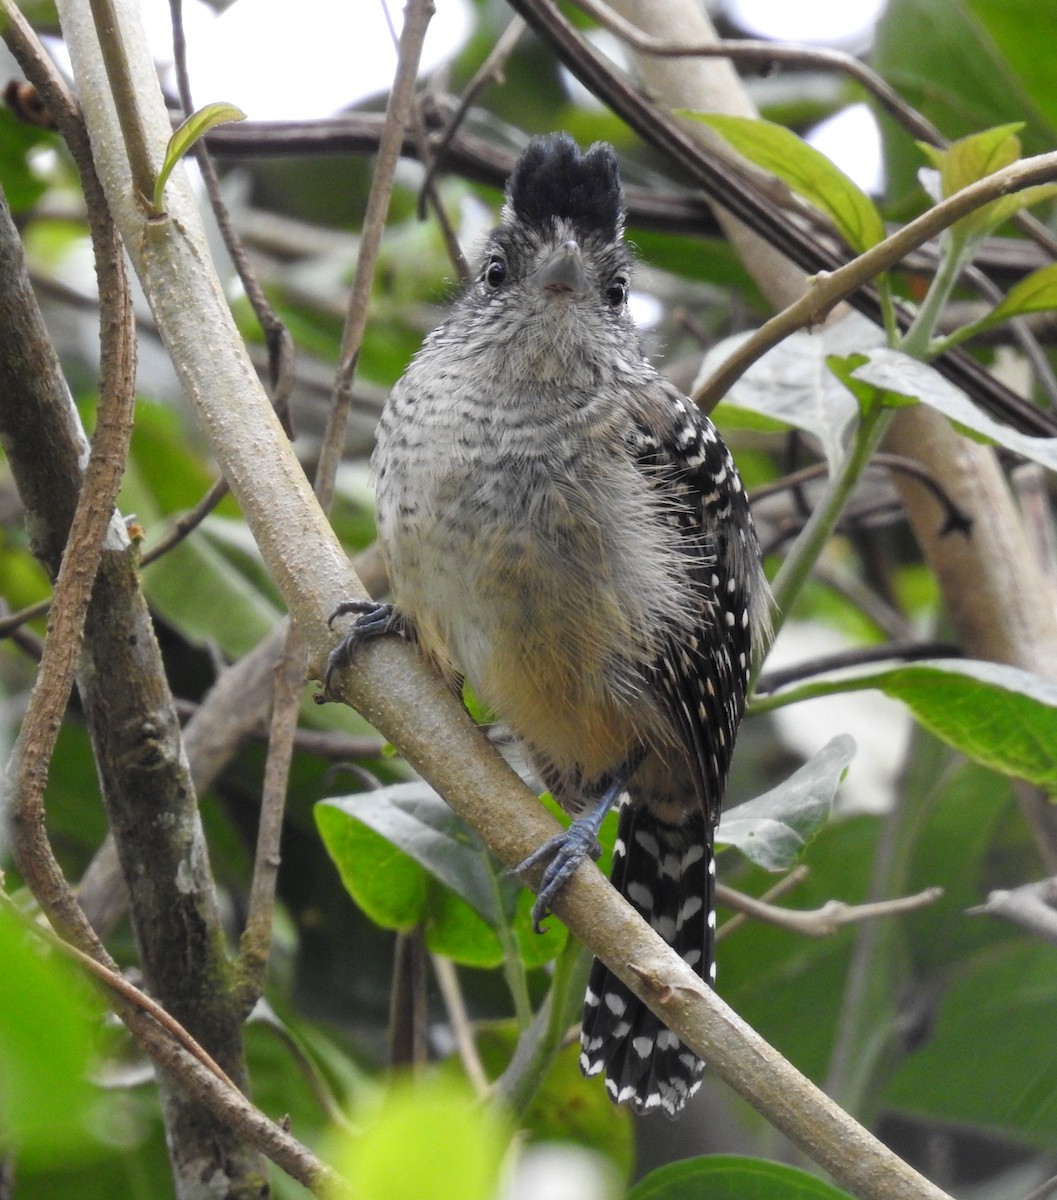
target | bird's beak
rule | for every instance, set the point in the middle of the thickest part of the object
(563, 271)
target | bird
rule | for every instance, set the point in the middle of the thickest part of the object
(567, 531)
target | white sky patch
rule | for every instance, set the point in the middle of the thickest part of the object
(831, 22)
(276, 64)
(645, 310)
(853, 141)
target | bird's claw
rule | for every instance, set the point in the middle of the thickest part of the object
(373, 620)
(563, 853)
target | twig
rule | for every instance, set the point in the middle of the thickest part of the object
(729, 897)
(1047, 1188)
(831, 917)
(773, 681)
(398, 114)
(955, 520)
(84, 546)
(459, 1020)
(126, 100)
(187, 523)
(255, 942)
(490, 72)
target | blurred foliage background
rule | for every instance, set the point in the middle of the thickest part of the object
(935, 1029)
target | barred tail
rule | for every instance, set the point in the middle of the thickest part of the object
(667, 872)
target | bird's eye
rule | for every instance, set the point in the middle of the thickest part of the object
(617, 292)
(495, 272)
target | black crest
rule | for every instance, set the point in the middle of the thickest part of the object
(554, 179)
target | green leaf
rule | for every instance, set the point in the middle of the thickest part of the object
(807, 171)
(429, 1137)
(196, 126)
(1013, 27)
(898, 372)
(390, 854)
(990, 1060)
(996, 715)
(773, 829)
(731, 1177)
(407, 859)
(45, 1051)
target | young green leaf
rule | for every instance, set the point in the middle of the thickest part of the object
(774, 828)
(868, 396)
(807, 171)
(975, 157)
(196, 126)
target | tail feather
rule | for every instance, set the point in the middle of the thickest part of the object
(667, 872)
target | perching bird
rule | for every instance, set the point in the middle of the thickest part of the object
(568, 531)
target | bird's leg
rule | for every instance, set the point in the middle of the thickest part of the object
(564, 852)
(374, 620)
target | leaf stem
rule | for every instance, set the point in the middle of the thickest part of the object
(807, 548)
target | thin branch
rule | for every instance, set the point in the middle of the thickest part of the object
(728, 896)
(255, 942)
(187, 523)
(832, 916)
(398, 115)
(459, 1021)
(955, 520)
(860, 656)
(126, 100)
(1044, 1189)
(90, 521)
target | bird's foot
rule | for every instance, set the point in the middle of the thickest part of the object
(563, 853)
(373, 620)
